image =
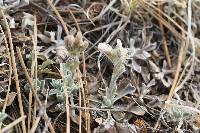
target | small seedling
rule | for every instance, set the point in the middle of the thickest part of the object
(118, 56)
(75, 46)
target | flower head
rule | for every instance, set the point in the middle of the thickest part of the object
(114, 54)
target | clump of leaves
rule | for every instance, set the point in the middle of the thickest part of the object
(39, 88)
(176, 114)
(58, 88)
(179, 111)
(160, 74)
(69, 70)
(139, 53)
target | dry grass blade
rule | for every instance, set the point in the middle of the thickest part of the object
(181, 58)
(32, 88)
(178, 70)
(190, 41)
(162, 20)
(32, 130)
(67, 103)
(165, 46)
(10, 73)
(164, 14)
(33, 70)
(41, 112)
(8, 127)
(15, 72)
(59, 17)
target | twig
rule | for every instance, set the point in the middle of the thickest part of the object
(178, 70)
(29, 109)
(77, 26)
(15, 71)
(85, 91)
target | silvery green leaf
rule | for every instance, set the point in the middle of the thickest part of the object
(146, 54)
(59, 32)
(164, 65)
(151, 83)
(53, 92)
(150, 47)
(159, 75)
(129, 89)
(25, 1)
(27, 20)
(52, 36)
(44, 38)
(175, 114)
(40, 85)
(132, 43)
(136, 67)
(143, 55)
(153, 67)
(11, 21)
(27, 87)
(165, 83)
(2, 116)
(60, 96)
(138, 110)
(57, 87)
(145, 74)
(108, 102)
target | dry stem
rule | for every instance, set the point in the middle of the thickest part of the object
(32, 88)
(8, 127)
(10, 72)
(165, 46)
(15, 72)
(59, 17)
(67, 103)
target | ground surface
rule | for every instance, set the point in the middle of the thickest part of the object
(102, 66)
